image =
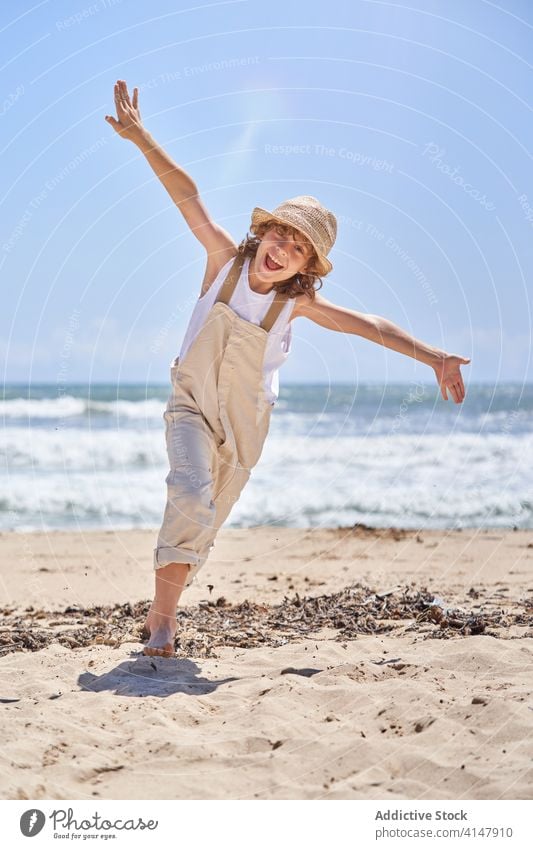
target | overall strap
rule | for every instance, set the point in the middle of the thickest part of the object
(275, 308)
(228, 286)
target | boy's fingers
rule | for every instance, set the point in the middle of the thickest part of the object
(110, 120)
(135, 97)
(124, 92)
(120, 101)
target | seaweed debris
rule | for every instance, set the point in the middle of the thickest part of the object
(215, 623)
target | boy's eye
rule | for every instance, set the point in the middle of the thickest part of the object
(282, 231)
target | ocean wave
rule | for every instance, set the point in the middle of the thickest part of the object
(117, 479)
(85, 449)
(304, 410)
(70, 406)
(333, 418)
(80, 449)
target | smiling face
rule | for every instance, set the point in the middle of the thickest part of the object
(282, 253)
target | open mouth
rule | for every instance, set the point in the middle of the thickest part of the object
(271, 264)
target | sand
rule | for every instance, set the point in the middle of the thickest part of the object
(417, 712)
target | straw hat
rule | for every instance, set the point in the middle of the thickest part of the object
(307, 215)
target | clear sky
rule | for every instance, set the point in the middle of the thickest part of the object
(411, 121)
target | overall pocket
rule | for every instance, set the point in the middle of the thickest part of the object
(237, 480)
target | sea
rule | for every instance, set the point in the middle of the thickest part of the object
(94, 457)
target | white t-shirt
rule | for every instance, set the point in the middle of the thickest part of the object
(253, 307)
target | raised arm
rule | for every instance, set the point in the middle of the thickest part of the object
(384, 332)
(180, 186)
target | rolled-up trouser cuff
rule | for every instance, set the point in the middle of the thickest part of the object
(166, 555)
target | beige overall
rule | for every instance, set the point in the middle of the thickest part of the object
(217, 419)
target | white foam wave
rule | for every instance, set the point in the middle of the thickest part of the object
(115, 478)
(80, 449)
(43, 408)
(68, 406)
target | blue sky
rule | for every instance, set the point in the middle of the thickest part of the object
(411, 122)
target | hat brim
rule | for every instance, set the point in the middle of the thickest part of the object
(260, 216)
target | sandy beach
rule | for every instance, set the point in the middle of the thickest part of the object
(343, 663)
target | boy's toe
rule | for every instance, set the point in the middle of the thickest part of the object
(164, 651)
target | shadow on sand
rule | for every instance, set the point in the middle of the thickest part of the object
(152, 676)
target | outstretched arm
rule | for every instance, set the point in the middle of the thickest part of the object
(180, 186)
(384, 332)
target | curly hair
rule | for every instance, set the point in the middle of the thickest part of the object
(298, 284)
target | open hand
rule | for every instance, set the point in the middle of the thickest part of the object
(449, 376)
(129, 124)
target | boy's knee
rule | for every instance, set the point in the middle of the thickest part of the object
(191, 493)
(190, 481)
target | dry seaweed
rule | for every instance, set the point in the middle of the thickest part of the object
(215, 623)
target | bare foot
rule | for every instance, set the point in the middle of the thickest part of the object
(160, 624)
(146, 629)
(152, 621)
(160, 632)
